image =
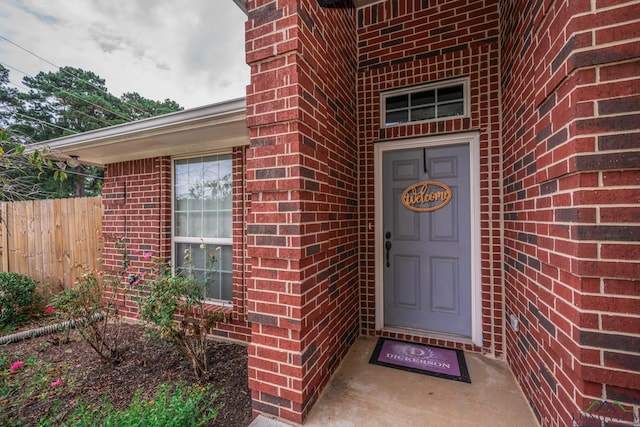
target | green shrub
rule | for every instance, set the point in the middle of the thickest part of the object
(172, 305)
(96, 318)
(178, 405)
(17, 298)
(93, 310)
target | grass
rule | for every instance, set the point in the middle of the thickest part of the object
(171, 405)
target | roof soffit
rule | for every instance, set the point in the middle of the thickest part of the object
(203, 129)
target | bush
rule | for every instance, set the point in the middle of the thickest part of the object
(92, 314)
(17, 298)
(92, 305)
(172, 304)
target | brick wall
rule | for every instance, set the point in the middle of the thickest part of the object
(137, 208)
(405, 43)
(571, 120)
(238, 327)
(302, 175)
(136, 199)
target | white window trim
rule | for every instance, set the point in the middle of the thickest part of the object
(466, 104)
(196, 240)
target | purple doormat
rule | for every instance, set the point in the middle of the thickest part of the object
(422, 359)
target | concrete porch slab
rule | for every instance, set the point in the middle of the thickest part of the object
(364, 394)
(262, 421)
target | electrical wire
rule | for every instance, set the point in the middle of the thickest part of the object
(101, 108)
(20, 182)
(16, 131)
(76, 173)
(144, 113)
(70, 94)
(46, 123)
(68, 172)
(33, 119)
(76, 110)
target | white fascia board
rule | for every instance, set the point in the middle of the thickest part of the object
(148, 126)
(172, 125)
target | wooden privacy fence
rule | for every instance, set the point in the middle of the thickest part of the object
(47, 239)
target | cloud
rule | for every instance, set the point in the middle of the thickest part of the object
(163, 66)
(193, 54)
(216, 39)
(108, 41)
(42, 17)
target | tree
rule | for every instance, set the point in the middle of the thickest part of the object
(20, 173)
(138, 107)
(66, 102)
(8, 97)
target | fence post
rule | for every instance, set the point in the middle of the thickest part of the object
(4, 229)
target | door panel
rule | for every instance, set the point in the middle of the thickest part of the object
(406, 225)
(405, 169)
(427, 272)
(443, 223)
(445, 286)
(444, 167)
(407, 295)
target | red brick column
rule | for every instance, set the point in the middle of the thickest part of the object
(302, 227)
(571, 111)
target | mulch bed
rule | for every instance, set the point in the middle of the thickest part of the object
(147, 363)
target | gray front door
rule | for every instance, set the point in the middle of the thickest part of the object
(427, 246)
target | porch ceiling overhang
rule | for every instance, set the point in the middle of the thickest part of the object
(197, 130)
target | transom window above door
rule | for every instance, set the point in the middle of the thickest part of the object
(426, 102)
(202, 223)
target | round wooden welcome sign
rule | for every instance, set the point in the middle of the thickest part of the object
(426, 196)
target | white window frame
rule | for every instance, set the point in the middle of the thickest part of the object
(210, 241)
(443, 84)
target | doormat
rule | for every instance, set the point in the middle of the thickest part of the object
(422, 359)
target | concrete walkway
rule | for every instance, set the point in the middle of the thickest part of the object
(361, 394)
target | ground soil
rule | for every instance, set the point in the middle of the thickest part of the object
(147, 363)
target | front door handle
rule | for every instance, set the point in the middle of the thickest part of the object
(388, 247)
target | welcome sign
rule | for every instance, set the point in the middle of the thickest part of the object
(426, 196)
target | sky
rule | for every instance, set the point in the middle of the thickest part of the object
(190, 51)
